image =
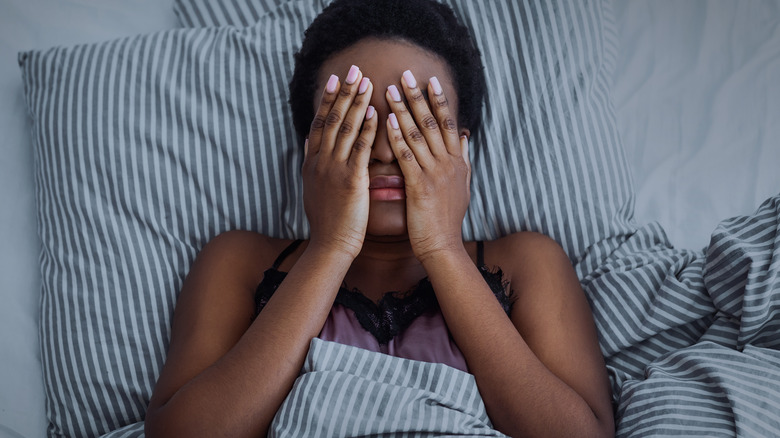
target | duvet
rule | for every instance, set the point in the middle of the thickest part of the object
(690, 337)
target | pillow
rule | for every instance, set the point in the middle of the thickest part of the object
(148, 147)
(145, 149)
(549, 157)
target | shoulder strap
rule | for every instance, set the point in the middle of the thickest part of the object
(287, 251)
(480, 253)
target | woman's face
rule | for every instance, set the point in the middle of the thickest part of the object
(384, 61)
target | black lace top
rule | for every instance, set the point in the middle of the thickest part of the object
(395, 310)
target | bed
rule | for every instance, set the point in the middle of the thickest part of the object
(693, 96)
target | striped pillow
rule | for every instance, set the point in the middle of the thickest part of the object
(148, 147)
(549, 157)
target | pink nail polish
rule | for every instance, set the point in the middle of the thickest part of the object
(411, 82)
(393, 120)
(352, 75)
(436, 86)
(363, 85)
(332, 82)
(394, 94)
(370, 112)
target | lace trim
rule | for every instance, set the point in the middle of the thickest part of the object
(395, 311)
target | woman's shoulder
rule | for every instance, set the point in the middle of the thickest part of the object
(522, 253)
(520, 244)
(246, 253)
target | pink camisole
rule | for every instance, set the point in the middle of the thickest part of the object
(408, 325)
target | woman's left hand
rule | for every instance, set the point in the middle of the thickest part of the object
(434, 161)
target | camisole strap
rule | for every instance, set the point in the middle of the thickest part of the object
(480, 253)
(287, 251)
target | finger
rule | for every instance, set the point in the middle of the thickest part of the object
(318, 123)
(448, 124)
(412, 135)
(421, 113)
(406, 158)
(361, 149)
(335, 120)
(464, 145)
(350, 127)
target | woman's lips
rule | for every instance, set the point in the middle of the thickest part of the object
(387, 188)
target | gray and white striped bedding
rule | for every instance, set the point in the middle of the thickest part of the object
(345, 391)
(148, 147)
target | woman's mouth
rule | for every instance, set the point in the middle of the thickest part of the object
(387, 188)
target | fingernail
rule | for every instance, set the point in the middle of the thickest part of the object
(352, 75)
(363, 85)
(411, 82)
(306, 147)
(393, 120)
(370, 112)
(436, 86)
(332, 82)
(394, 94)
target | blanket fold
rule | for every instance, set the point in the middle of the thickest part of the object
(691, 337)
(345, 391)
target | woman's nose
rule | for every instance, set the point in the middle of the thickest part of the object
(382, 151)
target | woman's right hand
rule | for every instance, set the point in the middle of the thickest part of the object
(335, 167)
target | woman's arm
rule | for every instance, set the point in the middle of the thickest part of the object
(225, 377)
(540, 373)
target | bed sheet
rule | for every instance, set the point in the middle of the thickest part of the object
(695, 94)
(698, 102)
(33, 24)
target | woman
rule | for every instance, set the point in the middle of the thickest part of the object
(386, 187)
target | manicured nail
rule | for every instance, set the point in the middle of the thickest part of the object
(352, 75)
(332, 82)
(411, 82)
(370, 112)
(306, 147)
(363, 85)
(394, 94)
(393, 120)
(436, 86)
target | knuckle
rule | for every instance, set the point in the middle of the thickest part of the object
(441, 101)
(360, 99)
(415, 134)
(407, 154)
(345, 91)
(327, 99)
(400, 108)
(360, 145)
(318, 122)
(429, 122)
(334, 118)
(346, 128)
(449, 124)
(417, 97)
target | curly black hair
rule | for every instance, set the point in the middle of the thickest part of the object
(425, 23)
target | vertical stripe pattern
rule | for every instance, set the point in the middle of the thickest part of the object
(346, 391)
(548, 157)
(147, 147)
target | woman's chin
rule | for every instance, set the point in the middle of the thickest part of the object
(387, 219)
(385, 229)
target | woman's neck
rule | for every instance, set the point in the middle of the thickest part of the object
(384, 264)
